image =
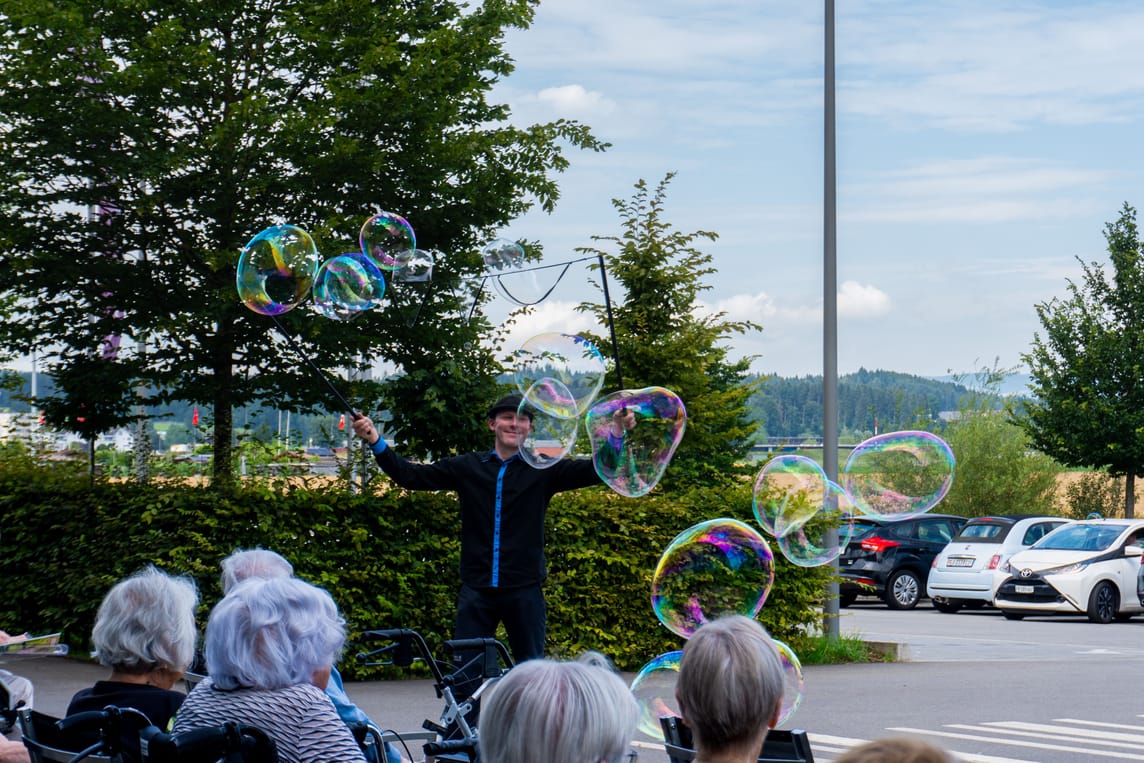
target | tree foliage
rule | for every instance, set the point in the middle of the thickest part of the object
(663, 342)
(1087, 366)
(143, 143)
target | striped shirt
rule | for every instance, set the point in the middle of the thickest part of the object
(300, 719)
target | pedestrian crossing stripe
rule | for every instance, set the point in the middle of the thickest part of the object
(1023, 743)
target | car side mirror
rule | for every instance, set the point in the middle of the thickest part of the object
(1133, 550)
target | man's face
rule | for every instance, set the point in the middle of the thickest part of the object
(510, 429)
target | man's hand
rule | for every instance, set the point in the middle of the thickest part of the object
(623, 420)
(363, 427)
(8, 639)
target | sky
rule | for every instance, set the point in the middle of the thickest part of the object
(982, 147)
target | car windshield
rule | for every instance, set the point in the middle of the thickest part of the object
(1081, 537)
(984, 532)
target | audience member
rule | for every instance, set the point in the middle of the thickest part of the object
(558, 712)
(145, 633)
(730, 689)
(896, 750)
(262, 563)
(270, 647)
(19, 688)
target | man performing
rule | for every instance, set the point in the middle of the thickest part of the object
(503, 502)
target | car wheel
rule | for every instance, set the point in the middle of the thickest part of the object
(1103, 603)
(942, 604)
(846, 599)
(903, 590)
(1011, 615)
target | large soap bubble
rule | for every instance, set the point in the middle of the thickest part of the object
(388, 240)
(570, 359)
(632, 462)
(792, 681)
(823, 537)
(718, 567)
(348, 285)
(654, 690)
(789, 489)
(553, 423)
(899, 474)
(276, 269)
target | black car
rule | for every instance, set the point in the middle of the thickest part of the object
(891, 558)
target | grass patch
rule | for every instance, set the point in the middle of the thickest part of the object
(823, 650)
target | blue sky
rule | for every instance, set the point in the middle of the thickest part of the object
(982, 146)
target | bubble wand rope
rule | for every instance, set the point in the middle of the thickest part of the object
(313, 367)
(611, 321)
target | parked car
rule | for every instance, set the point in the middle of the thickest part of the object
(1089, 567)
(967, 571)
(891, 558)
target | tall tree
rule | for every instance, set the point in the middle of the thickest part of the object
(144, 142)
(1087, 368)
(663, 342)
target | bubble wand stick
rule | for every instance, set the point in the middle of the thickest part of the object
(611, 321)
(314, 367)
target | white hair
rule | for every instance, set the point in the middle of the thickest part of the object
(147, 622)
(253, 563)
(558, 712)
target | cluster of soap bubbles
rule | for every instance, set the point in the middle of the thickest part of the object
(281, 265)
(724, 566)
(559, 377)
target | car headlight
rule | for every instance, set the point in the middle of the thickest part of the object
(1068, 569)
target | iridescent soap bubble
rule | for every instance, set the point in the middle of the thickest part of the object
(571, 359)
(276, 269)
(554, 423)
(811, 543)
(348, 285)
(632, 462)
(899, 474)
(502, 254)
(416, 266)
(654, 690)
(388, 240)
(789, 489)
(792, 682)
(718, 567)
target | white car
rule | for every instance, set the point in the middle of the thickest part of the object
(968, 570)
(1091, 567)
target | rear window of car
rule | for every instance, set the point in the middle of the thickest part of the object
(1081, 537)
(984, 532)
(863, 530)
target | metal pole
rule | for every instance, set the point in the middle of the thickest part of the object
(829, 307)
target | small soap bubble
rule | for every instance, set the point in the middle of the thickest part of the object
(348, 285)
(388, 240)
(632, 461)
(502, 254)
(570, 359)
(276, 269)
(553, 423)
(416, 266)
(899, 474)
(792, 682)
(718, 567)
(811, 543)
(654, 690)
(789, 489)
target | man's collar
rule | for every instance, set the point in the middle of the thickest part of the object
(493, 454)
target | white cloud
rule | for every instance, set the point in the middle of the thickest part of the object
(740, 307)
(857, 300)
(575, 101)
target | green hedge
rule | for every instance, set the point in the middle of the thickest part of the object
(388, 557)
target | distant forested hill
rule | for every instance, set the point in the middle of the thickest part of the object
(792, 407)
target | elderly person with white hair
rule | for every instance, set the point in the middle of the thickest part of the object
(558, 712)
(730, 689)
(145, 633)
(270, 646)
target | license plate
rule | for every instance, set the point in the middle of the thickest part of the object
(1023, 588)
(959, 561)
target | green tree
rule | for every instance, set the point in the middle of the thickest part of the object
(1087, 368)
(997, 471)
(145, 142)
(662, 342)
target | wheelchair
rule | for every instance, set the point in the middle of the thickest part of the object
(479, 662)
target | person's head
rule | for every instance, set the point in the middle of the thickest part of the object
(146, 625)
(895, 750)
(253, 563)
(507, 426)
(730, 686)
(270, 633)
(558, 712)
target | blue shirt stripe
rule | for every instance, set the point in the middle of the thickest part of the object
(497, 523)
